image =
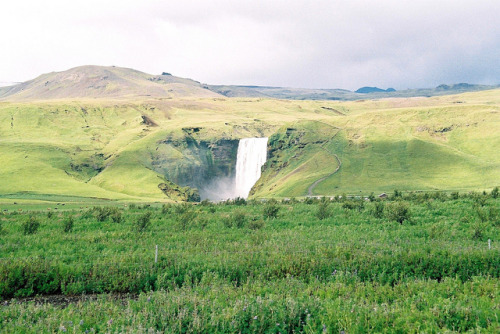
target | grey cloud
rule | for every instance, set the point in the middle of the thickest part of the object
(316, 44)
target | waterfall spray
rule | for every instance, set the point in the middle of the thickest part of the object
(252, 154)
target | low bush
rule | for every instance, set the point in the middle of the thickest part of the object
(271, 210)
(494, 192)
(68, 224)
(256, 224)
(237, 219)
(398, 211)
(324, 211)
(143, 222)
(378, 211)
(31, 225)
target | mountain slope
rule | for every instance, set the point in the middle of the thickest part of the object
(103, 82)
(137, 147)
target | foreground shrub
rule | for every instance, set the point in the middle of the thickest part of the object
(378, 211)
(239, 201)
(116, 217)
(237, 218)
(30, 226)
(271, 210)
(256, 224)
(324, 210)
(68, 224)
(494, 192)
(352, 204)
(142, 224)
(398, 211)
(187, 218)
(103, 213)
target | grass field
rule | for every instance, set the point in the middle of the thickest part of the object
(104, 148)
(318, 265)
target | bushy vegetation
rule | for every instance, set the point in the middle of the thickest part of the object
(271, 209)
(31, 225)
(318, 265)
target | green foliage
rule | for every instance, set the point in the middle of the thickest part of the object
(237, 218)
(378, 211)
(187, 219)
(256, 224)
(479, 199)
(481, 213)
(286, 305)
(494, 215)
(103, 213)
(494, 193)
(398, 211)
(324, 210)
(31, 225)
(116, 217)
(300, 271)
(271, 209)
(166, 208)
(182, 208)
(353, 204)
(68, 224)
(309, 200)
(478, 233)
(239, 201)
(143, 222)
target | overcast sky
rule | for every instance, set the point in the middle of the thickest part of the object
(292, 43)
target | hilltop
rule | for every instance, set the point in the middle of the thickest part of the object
(104, 83)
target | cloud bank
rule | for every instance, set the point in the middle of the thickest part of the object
(294, 43)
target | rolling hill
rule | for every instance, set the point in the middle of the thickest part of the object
(104, 82)
(108, 133)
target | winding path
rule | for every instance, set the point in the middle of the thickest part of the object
(312, 186)
(315, 183)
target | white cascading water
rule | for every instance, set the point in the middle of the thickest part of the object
(252, 154)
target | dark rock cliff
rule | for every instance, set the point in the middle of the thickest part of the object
(192, 162)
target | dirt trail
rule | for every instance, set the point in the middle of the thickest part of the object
(315, 183)
(312, 186)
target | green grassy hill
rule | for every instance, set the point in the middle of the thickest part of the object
(146, 148)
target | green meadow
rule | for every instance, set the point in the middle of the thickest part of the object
(416, 262)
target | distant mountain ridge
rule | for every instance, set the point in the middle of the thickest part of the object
(104, 82)
(96, 82)
(367, 90)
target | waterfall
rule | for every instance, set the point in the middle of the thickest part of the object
(252, 154)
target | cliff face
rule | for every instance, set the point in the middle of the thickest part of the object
(195, 163)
